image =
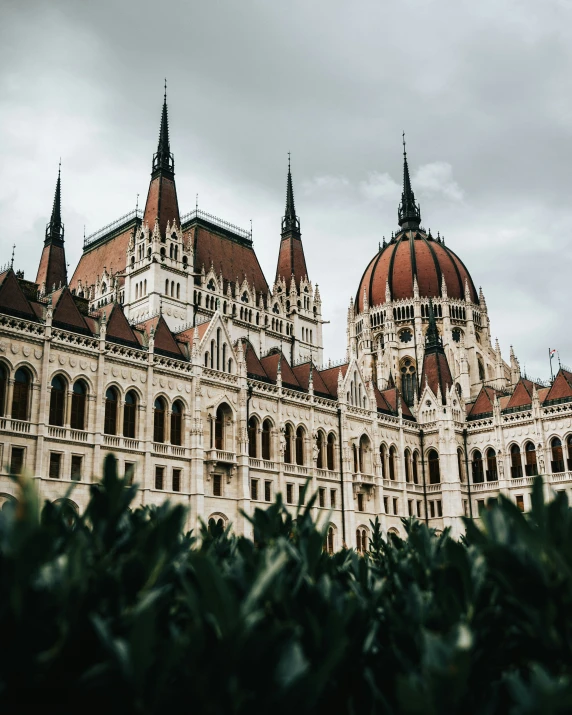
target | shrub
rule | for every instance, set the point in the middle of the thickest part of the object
(119, 610)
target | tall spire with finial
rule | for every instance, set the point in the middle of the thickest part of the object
(291, 259)
(163, 159)
(53, 268)
(433, 340)
(408, 213)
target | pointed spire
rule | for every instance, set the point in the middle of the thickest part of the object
(55, 227)
(290, 222)
(163, 159)
(408, 213)
(433, 340)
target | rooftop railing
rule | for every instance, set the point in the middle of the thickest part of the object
(114, 225)
(197, 213)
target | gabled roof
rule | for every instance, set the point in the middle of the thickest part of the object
(522, 394)
(330, 377)
(165, 343)
(254, 367)
(12, 298)
(302, 373)
(66, 313)
(390, 396)
(270, 365)
(118, 328)
(484, 402)
(111, 254)
(437, 374)
(188, 335)
(561, 387)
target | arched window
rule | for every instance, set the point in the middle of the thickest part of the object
(216, 525)
(300, 445)
(159, 420)
(569, 445)
(481, 370)
(407, 456)
(392, 454)
(110, 420)
(77, 417)
(20, 397)
(408, 380)
(57, 401)
(515, 462)
(361, 540)
(167, 287)
(477, 467)
(330, 540)
(356, 459)
(222, 416)
(252, 429)
(461, 465)
(3, 389)
(416, 467)
(129, 414)
(177, 423)
(492, 474)
(288, 446)
(531, 467)
(266, 437)
(557, 455)
(382, 457)
(434, 471)
(178, 290)
(364, 467)
(330, 451)
(321, 450)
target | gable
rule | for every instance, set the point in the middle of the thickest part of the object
(330, 377)
(302, 373)
(482, 405)
(12, 298)
(66, 314)
(561, 388)
(118, 328)
(164, 340)
(270, 365)
(521, 395)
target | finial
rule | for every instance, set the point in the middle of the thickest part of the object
(136, 205)
(290, 222)
(288, 162)
(12, 261)
(165, 95)
(197, 203)
(408, 212)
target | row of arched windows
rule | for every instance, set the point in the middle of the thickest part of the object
(404, 312)
(175, 289)
(140, 289)
(388, 460)
(21, 393)
(218, 357)
(128, 426)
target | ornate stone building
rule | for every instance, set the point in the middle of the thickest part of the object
(169, 348)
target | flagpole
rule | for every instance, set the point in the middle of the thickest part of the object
(550, 361)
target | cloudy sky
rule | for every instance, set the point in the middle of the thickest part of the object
(483, 91)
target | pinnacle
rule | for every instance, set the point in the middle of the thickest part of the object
(409, 213)
(290, 222)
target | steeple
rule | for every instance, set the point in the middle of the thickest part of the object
(162, 205)
(52, 270)
(291, 259)
(436, 371)
(290, 222)
(433, 341)
(408, 213)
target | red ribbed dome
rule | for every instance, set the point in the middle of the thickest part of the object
(414, 253)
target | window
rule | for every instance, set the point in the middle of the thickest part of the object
(520, 501)
(221, 417)
(408, 376)
(320, 445)
(159, 420)
(300, 445)
(301, 500)
(410, 507)
(252, 430)
(557, 462)
(395, 505)
(360, 502)
(419, 509)
(477, 467)
(531, 468)
(330, 540)
(432, 509)
(159, 477)
(407, 465)
(3, 389)
(77, 417)
(289, 493)
(480, 505)
(569, 444)
(492, 475)
(515, 462)
(17, 460)
(322, 497)
(176, 480)
(361, 540)
(439, 507)
(55, 464)
(460, 465)
(330, 451)
(177, 423)
(254, 489)
(267, 491)
(57, 402)
(392, 453)
(333, 498)
(465, 507)
(110, 420)
(20, 395)
(76, 464)
(129, 472)
(129, 414)
(434, 471)
(415, 467)
(386, 505)
(217, 485)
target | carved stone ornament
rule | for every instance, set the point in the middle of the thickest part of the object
(93, 367)
(163, 382)
(27, 350)
(37, 352)
(14, 348)
(124, 373)
(2, 346)
(73, 362)
(143, 379)
(61, 359)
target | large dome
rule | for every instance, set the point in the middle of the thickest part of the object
(414, 253)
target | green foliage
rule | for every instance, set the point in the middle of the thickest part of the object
(119, 610)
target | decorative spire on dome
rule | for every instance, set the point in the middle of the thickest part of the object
(55, 227)
(433, 341)
(163, 159)
(408, 213)
(290, 222)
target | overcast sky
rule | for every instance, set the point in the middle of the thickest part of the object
(482, 89)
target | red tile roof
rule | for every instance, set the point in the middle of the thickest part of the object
(12, 298)
(484, 402)
(437, 373)
(561, 387)
(254, 367)
(162, 203)
(522, 394)
(302, 373)
(52, 269)
(111, 254)
(164, 341)
(270, 365)
(66, 313)
(330, 377)
(291, 260)
(118, 327)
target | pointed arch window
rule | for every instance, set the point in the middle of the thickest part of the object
(557, 462)
(382, 457)
(57, 402)
(515, 462)
(110, 418)
(300, 445)
(408, 381)
(21, 395)
(320, 444)
(434, 470)
(78, 402)
(330, 451)
(492, 473)
(288, 446)
(569, 445)
(330, 540)
(531, 466)
(177, 423)
(252, 430)
(159, 420)
(477, 467)
(460, 465)
(392, 455)
(415, 466)
(407, 465)
(266, 437)
(130, 414)
(3, 389)
(361, 540)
